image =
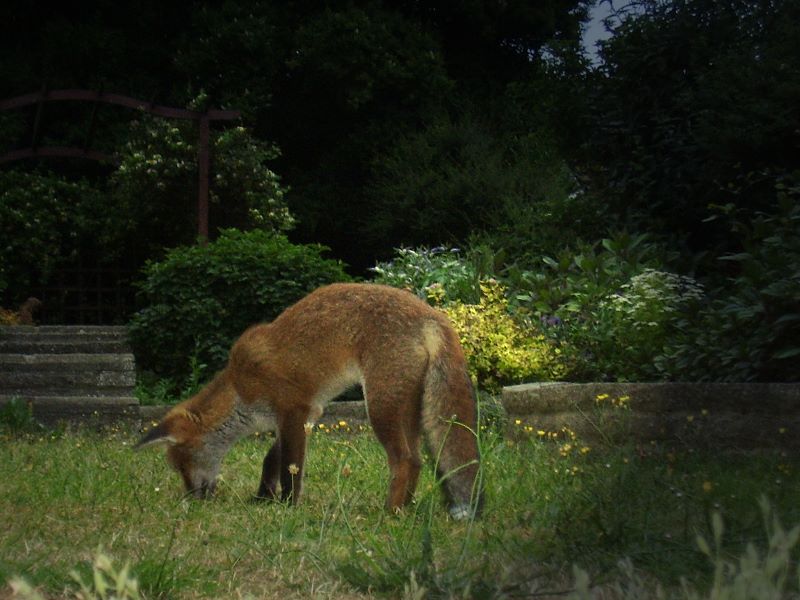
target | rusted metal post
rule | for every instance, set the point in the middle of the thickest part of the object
(203, 159)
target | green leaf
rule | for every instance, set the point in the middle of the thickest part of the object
(550, 262)
(793, 317)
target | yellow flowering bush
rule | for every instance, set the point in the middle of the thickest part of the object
(499, 349)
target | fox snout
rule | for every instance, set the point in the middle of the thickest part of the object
(198, 484)
(204, 491)
(199, 480)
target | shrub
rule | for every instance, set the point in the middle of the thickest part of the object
(3, 282)
(750, 330)
(602, 300)
(439, 275)
(500, 349)
(44, 221)
(636, 324)
(577, 279)
(200, 298)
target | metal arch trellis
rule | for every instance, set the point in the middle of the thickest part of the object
(203, 118)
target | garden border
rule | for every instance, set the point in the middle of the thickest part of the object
(743, 416)
(709, 415)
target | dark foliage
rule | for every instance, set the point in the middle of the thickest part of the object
(200, 298)
(695, 107)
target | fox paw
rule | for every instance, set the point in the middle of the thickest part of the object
(460, 512)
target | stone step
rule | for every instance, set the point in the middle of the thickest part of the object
(80, 374)
(78, 391)
(63, 339)
(99, 330)
(22, 373)
(34, 362)
(62, 346)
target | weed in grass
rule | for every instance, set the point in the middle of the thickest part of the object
(770, 574)
(16, 416)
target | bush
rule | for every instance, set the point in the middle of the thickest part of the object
(439, 275)
(634, 326)
(44, 221)
(500, 349)
(602, 300)
(200, 298)
(750, 330)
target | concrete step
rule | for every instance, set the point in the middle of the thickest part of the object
(66, 373)
(62, 346)
(63, 339)
(36, 362)
(82, 374)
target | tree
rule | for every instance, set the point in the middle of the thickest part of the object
(336, 86)
(695, 106)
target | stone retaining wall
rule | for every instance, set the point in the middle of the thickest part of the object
(713, 415)
(730, 415)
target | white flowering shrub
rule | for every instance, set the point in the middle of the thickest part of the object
(439, 275)
(46, 220)
(641, 319)
(651, 300)
(157, 181)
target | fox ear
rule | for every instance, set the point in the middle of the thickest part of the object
(158, 435)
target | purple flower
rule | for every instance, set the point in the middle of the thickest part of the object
(551, 321)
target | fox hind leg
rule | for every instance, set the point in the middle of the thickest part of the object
(270, 472)
(292, 437)
(449, 420)
(394, 416)
(404, 468)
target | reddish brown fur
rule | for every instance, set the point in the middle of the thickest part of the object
(22, 316)
(26, 310)
(405, 354)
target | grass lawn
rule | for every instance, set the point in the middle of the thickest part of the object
(552, 502)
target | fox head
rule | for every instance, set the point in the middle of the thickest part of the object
(186, 451)
(197, 434)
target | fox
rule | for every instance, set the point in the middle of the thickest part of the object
(405, 355)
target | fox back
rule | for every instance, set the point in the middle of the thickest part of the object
(406, 357)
